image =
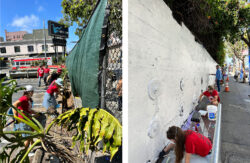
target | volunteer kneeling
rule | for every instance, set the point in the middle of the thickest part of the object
(49, 98)
(186, 143)
(24, 104)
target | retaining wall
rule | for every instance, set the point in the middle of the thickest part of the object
(168, 70)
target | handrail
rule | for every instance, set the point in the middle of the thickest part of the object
(217, 138)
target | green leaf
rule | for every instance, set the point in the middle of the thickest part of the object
(28, 151)
(31, 124)
(113, 150)
(106, 146)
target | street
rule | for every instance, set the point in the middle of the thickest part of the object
(235, 138)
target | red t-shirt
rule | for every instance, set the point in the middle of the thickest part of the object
(196, 143)
(40, 72)
(52, 88)
(25, 106)
(46, 70)
(209, 95)
(59, 70)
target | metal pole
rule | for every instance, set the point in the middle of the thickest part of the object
(44, 34)
(103, 81)
(64, 51)
(55, 49)
(57, 54)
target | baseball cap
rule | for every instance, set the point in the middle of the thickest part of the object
(29, 88)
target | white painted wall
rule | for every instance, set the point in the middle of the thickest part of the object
(10, 50)
(162, 50)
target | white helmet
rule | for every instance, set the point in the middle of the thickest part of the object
(29, 88)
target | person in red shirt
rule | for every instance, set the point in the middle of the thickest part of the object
(59, 70)
(49, 100)
(187, 143)
(46, 74)
(212, 95)
(40, 73)
(24, 104)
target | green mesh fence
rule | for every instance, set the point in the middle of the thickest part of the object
(83, 61)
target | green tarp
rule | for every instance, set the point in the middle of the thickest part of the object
(83, 61)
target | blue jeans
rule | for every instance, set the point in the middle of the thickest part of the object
(39, 81)
(22, 127)
(49, 100)
(218, 85)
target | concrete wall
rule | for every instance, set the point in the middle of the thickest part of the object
(165, 59)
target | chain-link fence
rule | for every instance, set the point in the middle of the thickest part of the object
(111, 91)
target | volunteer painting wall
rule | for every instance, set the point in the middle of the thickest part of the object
(168, 70)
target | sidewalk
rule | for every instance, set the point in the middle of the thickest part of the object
(235, 135)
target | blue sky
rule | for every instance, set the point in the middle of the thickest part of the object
(19, 15)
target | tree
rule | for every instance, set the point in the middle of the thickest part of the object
(79, 11)
(214, 21)
(232, 18)
(236, 51)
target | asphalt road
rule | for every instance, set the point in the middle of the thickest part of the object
(235, 138)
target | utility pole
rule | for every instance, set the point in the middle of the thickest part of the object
(44, 34)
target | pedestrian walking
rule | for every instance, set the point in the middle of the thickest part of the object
(49, 100)
(212, 95)
(40, 73)
(241, 74)
(223, 72)
(236, 75)
(24, 104)
(186, 143)
(46, 74)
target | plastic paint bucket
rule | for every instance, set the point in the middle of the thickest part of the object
(212, 109)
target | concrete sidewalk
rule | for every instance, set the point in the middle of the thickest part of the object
(235, 135)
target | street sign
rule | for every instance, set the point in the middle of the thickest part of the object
(56, 29)
(59, 42)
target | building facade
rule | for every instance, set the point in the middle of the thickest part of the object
(14, 36)
(31, 45)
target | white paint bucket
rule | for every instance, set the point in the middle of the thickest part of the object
(212, 109)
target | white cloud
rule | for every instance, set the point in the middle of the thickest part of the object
(26, 23)
(40, 8)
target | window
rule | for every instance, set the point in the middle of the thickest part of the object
(17, 63)
(14, 37)
(46, 47)
(28, 62)
(22, 63)
(30, 48)
(3, 50)
(17, 49)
